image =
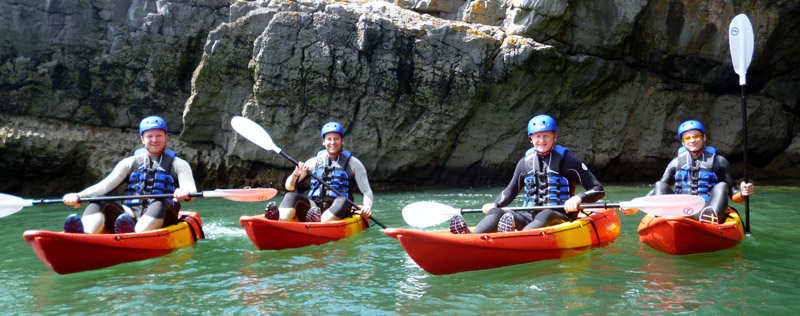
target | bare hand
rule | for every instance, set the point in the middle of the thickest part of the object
(488, 206)
(747, 188)
(72, 199)
(180, 194)
(301, 169)
(572, 204)
(366, 211)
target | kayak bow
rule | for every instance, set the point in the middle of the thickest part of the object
(69, 253)
(683, 236)
(441, 252)
(269, 234)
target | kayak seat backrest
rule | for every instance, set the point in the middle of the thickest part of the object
(194, 226)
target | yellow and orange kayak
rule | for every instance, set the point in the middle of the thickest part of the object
(275, 235)
(69, 253)
(441, 252)
(683, 236)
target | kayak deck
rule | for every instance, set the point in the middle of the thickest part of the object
(69, 253)
(683, 236)
(269, 234)
(441, 252)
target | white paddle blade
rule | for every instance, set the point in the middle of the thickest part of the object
(742, 43)
(10, 204)
(242, 195)
(254, 133)
(424, 214)
(667, 204)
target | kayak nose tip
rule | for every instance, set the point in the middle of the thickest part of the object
(392, 232)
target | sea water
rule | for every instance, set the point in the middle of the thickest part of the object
(370, 274)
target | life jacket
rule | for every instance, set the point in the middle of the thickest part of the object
(696, 180)
(147, 180)
(546, 187)
(339, 176)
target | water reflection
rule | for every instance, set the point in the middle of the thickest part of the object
(686, 283)
(315, 276)
(92, 289)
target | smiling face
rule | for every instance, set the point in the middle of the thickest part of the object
(694, 141)
(543, 141)
(155, 140)
(333, 144)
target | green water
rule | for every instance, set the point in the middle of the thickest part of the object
(370, 274)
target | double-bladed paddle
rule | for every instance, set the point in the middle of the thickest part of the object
(742, 43)
(423, 214)
(10, 204)
(259, 136)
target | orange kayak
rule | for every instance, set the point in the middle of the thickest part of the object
(69, 253)
(683, 236)
(276, 235)
(441, 252)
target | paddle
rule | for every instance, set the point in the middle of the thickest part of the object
(742, 42)
(10, 204)
(259, 136)
(423, 214)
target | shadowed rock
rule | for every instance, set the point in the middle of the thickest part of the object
(429, 92)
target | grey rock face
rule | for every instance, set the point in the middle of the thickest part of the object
(429, 92)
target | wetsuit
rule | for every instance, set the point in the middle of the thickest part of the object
(345, 173)
(690, 176)
(178, 169)
(562, 163)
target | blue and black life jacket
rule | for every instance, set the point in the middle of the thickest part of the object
(546, 187)
(696, 179)
(146, 179)
(337, 173)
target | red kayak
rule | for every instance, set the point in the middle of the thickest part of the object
(441, 252)
(275, 235)
(69, 253)
(683, 236)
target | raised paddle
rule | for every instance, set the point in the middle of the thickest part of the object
(742, 43)
(259, 136)
(10, 204)
(423, 214)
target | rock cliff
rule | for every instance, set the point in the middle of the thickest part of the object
(429, 92)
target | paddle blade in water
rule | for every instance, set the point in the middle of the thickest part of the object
(253, 132)
(742, 42)
(424, 214)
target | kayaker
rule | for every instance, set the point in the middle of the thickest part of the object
(548, 173)
(700, 170)
(340, 169)
(151, 170)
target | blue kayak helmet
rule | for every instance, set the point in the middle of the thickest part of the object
(152, 122)
(332, 127)
(541, 123)
(690, 125)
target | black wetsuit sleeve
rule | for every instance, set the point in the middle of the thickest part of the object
(576, 172)
(723, 170)
(669, 173)
(514, 186)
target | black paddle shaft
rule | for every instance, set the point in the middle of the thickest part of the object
(116, 198)
(545, 207)
(329, 187)
(744, 157)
